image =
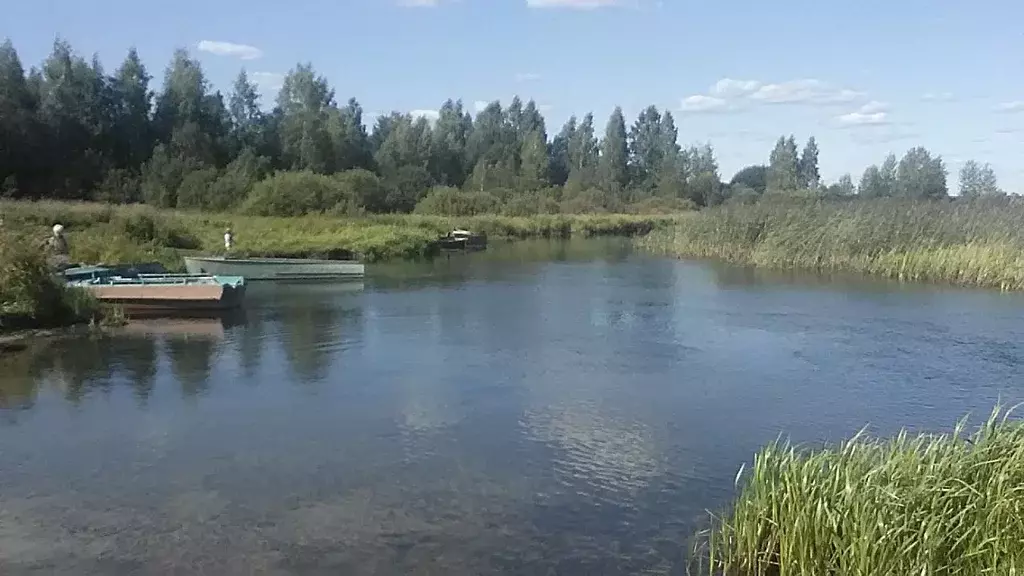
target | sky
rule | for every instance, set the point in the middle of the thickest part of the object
(864, 77)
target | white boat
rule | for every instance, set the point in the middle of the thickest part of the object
(275, 268)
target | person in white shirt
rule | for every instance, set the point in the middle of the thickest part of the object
(229, 239)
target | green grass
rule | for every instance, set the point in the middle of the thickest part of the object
(104, 233)
(978, 243)
(928, 504)
(32, 297)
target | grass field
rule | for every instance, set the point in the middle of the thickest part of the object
(912, 505)
(978, 243)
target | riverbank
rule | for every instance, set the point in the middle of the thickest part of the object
(32, 298)
(107, 233)
(978, 243)
(930, 504)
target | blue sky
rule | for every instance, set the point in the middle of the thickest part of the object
(865, 77)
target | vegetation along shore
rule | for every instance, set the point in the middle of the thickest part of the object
(927, 504)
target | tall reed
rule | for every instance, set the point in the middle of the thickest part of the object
(976, 243)
(913, 505)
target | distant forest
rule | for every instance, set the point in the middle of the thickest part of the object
(71, 131)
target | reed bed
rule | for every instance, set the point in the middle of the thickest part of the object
(913, 505)
(971, 243)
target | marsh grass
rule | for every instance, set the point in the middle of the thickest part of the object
(105, 233)
(31, 296)
(913, 505)
(978, 243)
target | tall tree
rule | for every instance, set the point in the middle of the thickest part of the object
(248, 123)
(783, 166)
(348, 136)
(810, 178)
(306, 102)
(451, 135)
(132, 103)
(873, 184)
(888, 174)
(583, 155)
(561, 161)
(612, 165)
(20, 135)
(919, 175)
(978, 180)
(534, 162)
(647, 148)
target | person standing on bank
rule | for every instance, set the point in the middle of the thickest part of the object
(229, 240)
(57, 247)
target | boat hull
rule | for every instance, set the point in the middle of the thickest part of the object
(168, 294)
(276, 268)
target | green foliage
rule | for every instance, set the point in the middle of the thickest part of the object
(298, 193)
(31, 296)
(913, 504)
(445, 200)
(978, 180)
(753, 177)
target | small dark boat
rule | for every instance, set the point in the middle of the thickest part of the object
(463, 240)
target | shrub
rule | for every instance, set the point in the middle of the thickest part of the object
(447, 201)
(298, 193)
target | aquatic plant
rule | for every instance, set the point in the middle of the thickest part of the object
(914, 504)
(973, 243)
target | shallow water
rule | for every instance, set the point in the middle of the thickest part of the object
(539, 408)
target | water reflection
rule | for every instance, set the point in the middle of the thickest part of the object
(538, 408)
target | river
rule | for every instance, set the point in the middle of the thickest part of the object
(539, 408)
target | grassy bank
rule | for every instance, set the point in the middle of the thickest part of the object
(31, 297)
(930, 504)
(978, 243)
(106, 233)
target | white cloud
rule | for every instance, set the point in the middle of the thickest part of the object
(431, 115)
(702, 103)
(243, 51)
(937, 96)
(527, 77)
(268, 80)
(729, 87)
(874, 107)
(480, 105)
(804, 91)
(863, 119)
(573, 4)
(1014, 106)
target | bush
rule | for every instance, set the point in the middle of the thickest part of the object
(530, 204)
(661, 205)
(30, 293)
(118, 187)
(591, 201)
(298, 193)
(196, 189)
(447, 201)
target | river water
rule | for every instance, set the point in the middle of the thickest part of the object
(539, 408)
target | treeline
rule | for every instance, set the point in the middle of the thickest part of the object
(71, 131)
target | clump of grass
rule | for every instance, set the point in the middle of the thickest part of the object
(31, 296)
(925, 504)
(974, 243)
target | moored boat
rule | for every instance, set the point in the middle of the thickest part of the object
(167, 293)
(275, 268)
(463, 240)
